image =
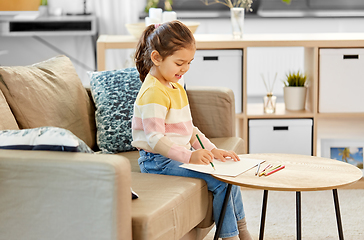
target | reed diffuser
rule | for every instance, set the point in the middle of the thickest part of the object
(269, 100)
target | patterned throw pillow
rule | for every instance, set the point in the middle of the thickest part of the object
(114, 93)
(43, 138)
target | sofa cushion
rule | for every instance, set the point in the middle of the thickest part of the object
(7, 119)
(114, 93)
(164, 209)
(43, 138)
(235, 144)
(217, 123)
(133, 157)
(49, 93)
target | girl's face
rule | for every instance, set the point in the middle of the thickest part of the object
(172, 67)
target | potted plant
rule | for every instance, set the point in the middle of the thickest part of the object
(295, 90)
(43, 8)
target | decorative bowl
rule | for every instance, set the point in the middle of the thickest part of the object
(136, 29)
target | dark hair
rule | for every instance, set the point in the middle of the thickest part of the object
(165, 39)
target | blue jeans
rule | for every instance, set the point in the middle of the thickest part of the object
(158, 164)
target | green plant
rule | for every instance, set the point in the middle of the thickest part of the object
(287, 1)
(43, 2)
(247, 4)
(154, 4)
(232, 3)
(295, 79)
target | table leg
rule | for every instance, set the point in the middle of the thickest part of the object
(264, 211)
(223, 210)
(298, 215)
(338, 215)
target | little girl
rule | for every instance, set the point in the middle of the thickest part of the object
(162, 124)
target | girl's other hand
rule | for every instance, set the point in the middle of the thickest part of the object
(201, 156)
(222, 154)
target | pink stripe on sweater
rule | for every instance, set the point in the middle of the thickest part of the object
(180, 154)
(182, 128)
(148, 125)
(157, 125)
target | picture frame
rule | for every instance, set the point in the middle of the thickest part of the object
(346, 150)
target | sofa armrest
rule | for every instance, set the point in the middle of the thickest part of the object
(63, 195)
(213, 110)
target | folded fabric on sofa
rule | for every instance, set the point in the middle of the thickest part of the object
(43, 138)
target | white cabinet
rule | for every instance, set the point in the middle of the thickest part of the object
(218, 68)
(341, 80)
(292, 136)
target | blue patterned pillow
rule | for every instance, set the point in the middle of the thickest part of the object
(114, 93)
(42, 138)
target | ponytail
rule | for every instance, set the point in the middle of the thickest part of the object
(142, 55)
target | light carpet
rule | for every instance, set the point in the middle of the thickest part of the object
(317, 211)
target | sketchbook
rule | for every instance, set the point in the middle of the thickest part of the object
(228, 168)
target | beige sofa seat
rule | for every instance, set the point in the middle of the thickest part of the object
(168, 207)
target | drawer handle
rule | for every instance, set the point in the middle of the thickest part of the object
(213, 58)
(347, 56)
(280, 128)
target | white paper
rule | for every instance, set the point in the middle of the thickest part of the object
(228, 168)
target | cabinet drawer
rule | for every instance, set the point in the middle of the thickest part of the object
(341, 81)
(218, 68)
(292, 136)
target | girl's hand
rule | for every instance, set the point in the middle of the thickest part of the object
(201, 156)
(222, 154)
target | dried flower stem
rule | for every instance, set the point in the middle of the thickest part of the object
(231, 3)
(269, 87)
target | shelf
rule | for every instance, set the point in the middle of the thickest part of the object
(256, 110)
(50, 26)
(325, 124)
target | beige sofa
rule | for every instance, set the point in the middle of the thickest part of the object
(64, 195)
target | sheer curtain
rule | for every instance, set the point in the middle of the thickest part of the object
(112, 16)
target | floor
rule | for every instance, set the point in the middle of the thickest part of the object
(358, 185)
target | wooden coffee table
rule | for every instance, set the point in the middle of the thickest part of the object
(301, 173)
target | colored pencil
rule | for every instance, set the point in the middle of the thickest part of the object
(275, 170)
(256, 173)
(199, 140)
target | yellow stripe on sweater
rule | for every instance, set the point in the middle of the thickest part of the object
(153, 91)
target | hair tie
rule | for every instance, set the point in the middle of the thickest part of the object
(156, 25)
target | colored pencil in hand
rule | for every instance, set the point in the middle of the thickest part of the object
(199, 140)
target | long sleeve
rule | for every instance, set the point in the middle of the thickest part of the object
(162, 120)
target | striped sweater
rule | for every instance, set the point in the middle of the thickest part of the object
(162, 121)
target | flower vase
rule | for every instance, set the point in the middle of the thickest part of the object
(237, 22)
(270, 103)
